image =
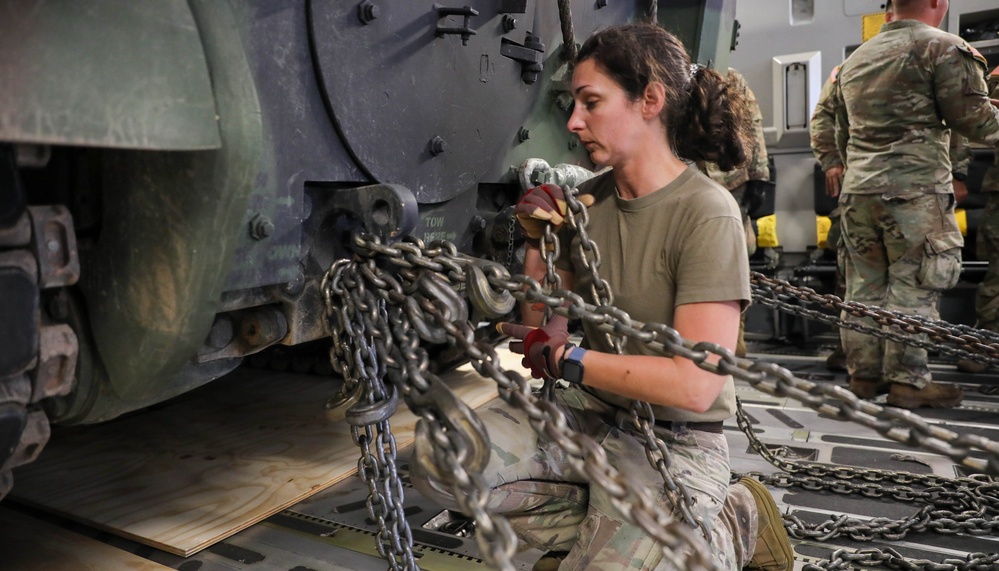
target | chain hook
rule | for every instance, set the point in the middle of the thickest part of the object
(433, 289)
(344, 399)
(376, 412)
(464, 428)
(492, 304)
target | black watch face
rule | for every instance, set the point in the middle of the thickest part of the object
(572, 371)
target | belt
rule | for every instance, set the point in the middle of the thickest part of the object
(672, 425)
(623, 418)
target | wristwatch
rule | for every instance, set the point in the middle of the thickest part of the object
(572, 364)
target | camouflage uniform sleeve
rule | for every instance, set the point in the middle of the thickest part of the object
(962, 94)
(759, 166)
(960, 154)
(842, 129)
(991, 181)
(822, 127)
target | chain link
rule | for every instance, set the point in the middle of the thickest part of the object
(895, 424)
(511, 233)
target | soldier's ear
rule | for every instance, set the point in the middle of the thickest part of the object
(653, 99)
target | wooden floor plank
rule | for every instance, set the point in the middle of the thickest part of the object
(196, 470)
(30, 544)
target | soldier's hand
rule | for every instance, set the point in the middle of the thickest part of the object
(542, 347)
(960, 191)
(834, 177)
(543, 205)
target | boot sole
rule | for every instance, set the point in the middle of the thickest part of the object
(971, 370)
(911, 404)
(882, 389)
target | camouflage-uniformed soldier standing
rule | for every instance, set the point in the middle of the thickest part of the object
(822, 136)
(822, 132)
(898, 94)
(742, 181)
(987, 296)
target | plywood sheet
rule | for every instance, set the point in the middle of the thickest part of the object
(30, 544)
(203, 467)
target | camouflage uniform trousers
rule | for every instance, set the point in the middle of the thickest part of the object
(901, 251)
(987, 248)
(553, 508)
(834, 243)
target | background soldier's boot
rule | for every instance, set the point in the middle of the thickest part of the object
(969, 366)
(773, 547)
(868, 388)
(933, 395)
(837, 360)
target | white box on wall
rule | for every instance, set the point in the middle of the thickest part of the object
(797, 81)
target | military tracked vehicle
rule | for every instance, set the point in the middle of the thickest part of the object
(177, 176)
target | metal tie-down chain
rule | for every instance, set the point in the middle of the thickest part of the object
(896, 424)
(413, 259)
(969, 339)
(953, 339)
(952, 505)
(357, 359)
(451, 430)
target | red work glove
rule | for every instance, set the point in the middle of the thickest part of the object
(540, 346)
(543, 205)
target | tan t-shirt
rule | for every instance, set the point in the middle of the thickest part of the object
(684, 243)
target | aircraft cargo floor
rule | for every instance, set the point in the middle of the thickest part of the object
(332, 531)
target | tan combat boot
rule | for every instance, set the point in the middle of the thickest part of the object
(773, 547)
(868, 388)
(933, 395)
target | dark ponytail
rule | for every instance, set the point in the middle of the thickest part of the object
(712, 128)
(704, 117)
